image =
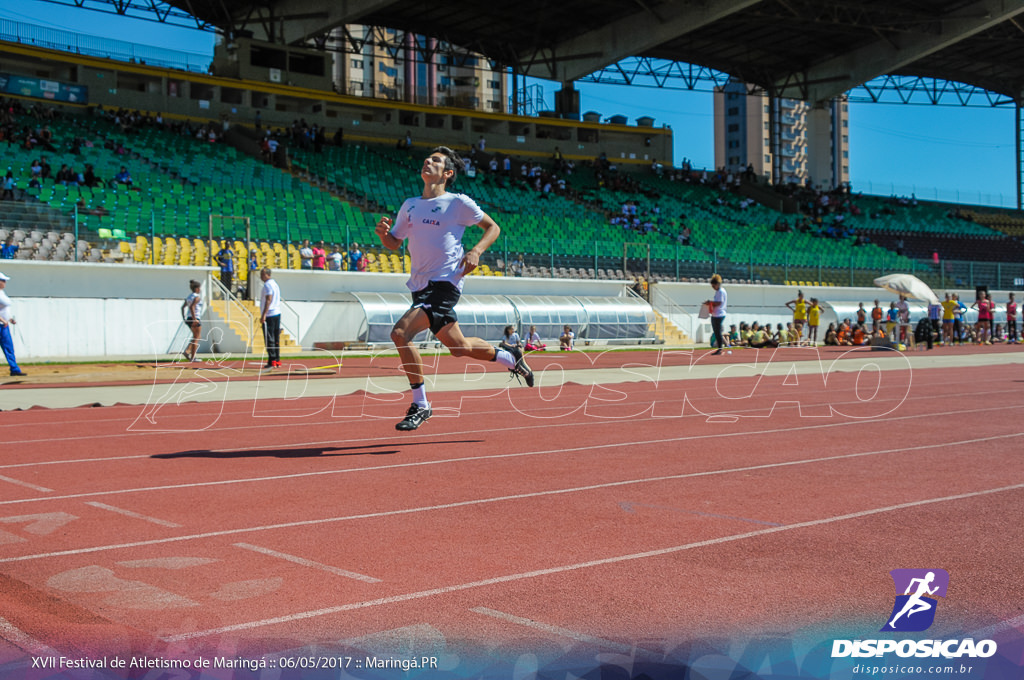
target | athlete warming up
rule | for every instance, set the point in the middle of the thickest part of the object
(433, 224)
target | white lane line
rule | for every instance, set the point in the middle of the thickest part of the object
(510, 578)
(24, 641)
(496, 456)
(308, 563)
(498, 499)
(129, 513)
(554, 630)
(18, 482)
(660, 391)
(227, 411)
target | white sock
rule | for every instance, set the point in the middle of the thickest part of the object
(419, 396)
(505, 358)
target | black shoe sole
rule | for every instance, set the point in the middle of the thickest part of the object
(409, 427)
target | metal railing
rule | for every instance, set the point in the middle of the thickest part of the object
(93, 46)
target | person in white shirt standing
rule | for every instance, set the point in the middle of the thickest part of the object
(270, 318)
(434, 223)
(717, 305)
(6, 322)
(192, 312)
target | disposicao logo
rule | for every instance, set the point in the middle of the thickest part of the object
(914, 610)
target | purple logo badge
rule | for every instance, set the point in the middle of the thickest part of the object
(916, 590)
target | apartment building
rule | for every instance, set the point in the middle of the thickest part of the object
(813, 143)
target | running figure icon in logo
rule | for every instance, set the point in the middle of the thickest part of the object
(914, 610)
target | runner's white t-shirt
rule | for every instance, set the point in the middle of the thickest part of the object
(434, 228)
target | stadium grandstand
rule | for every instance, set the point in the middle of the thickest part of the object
(153, 161)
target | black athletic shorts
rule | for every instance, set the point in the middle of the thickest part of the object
(438, 300)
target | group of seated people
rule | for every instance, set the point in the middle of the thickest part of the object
(532, 342)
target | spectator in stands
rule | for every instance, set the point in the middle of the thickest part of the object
(517, 266)
(339, 137)
(355, 258)
(226, 260)
(9, 185)
(718, 305)
(65, 176)
(90, 179)
(192, 313)
(8, 250)
(533, 342)
(335, 259)
(270, 318)
(319, 257)
(46, 170)
(567, 339)
(6, 322)
(123, 177)
(306, 255)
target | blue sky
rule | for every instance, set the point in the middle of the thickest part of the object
(945, 153)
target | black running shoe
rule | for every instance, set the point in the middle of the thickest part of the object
(414, 417)
(521, 369)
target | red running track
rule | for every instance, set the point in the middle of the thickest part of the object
(500, 527)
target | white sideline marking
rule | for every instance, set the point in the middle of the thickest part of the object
(548, 628)
(18, 482)
(22, 640)
(499, 499)
(500, 456)
(129, 513)
(308, 563)
(298, 616)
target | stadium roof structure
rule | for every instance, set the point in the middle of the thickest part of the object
(812, 50)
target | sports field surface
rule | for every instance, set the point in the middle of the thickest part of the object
(639, 507)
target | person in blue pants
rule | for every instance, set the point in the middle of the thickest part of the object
(6, 322)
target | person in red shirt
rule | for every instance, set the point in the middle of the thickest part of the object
(319, 257)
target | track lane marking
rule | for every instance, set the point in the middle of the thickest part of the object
(308, 563)
(511, 578)
(135, 515)
(497, 456)
(29, 485)
(499, 499)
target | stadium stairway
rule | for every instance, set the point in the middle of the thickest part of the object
(667, 332)
(244, 309)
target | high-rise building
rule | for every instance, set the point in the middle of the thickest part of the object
(387, 64)
(813, 143)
